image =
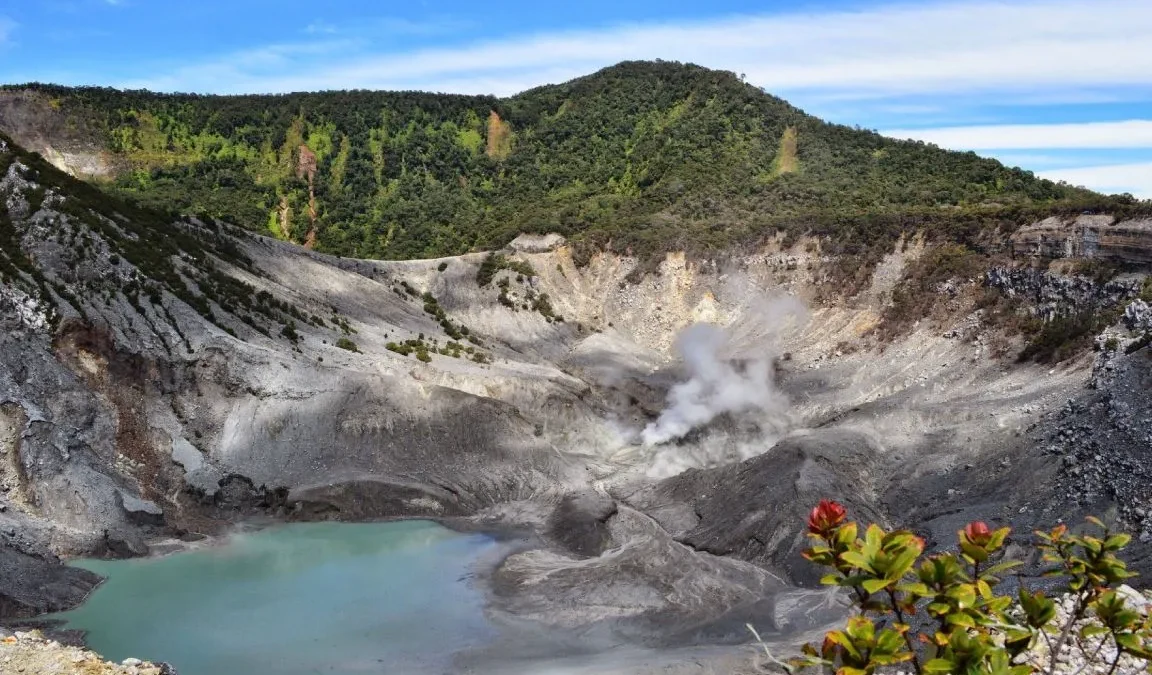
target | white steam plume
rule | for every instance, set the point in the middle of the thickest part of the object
(722, 380)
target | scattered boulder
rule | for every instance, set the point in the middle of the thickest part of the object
(1138, 316)
(140, 511)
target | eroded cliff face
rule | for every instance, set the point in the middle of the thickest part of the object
(34, 121)
(1087, 236)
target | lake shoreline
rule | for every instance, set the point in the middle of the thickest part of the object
(453, 562)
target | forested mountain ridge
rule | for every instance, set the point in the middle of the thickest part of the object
(643, 157)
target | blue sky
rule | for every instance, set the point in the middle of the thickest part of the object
(1060, 87)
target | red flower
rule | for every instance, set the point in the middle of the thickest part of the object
(827, 516)
(977, 532)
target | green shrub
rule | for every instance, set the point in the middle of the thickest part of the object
(1065, 336)
(345, 343)
(442, 266)
(915, 297)
(543, 305)
(966, 626)
(289, 331)
(495, 262)
(1099, 271)
(401, 349)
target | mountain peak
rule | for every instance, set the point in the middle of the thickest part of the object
(650, 155)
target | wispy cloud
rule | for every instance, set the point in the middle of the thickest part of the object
(382, 26)
(7, 26)
(1040, 46)
(320, 27)
(1126, 134)
(1114, 178)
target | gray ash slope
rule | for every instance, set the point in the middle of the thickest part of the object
(164, 379)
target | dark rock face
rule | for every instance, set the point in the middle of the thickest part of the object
(580, 522)
(1055, 294)
(34, 585)
(1103, 441)
(756, 510)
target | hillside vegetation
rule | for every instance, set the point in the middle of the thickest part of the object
(641, 157)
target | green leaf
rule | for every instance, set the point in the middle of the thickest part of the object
(974, 552)
(873, 539)
(861, 628)
(915, 588)
(1003, 566)
(841, 638)
(846, 534)
(997, 539)
(858, 560)
(938, 666)
(876, 585)
(964, 595)
(1132, 644)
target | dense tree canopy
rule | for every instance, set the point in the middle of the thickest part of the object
(642, 156)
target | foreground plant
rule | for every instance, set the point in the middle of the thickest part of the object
(941, 613)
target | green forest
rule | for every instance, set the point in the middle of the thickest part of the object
(641, 157)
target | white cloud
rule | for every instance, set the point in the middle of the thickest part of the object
(1127, 134)
(943, 47)
(6, 27)
(1114, 178)
(321, 27)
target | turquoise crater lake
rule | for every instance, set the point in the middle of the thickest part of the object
(295, 599)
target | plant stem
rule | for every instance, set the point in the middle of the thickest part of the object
(1119, 653)
(1065, 632)
(907, 637)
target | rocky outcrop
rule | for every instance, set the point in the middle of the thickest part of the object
(1086, 236)
(1138, 316)
(38, 584)
(1050, 294)
(31, 653)
(537, 243)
